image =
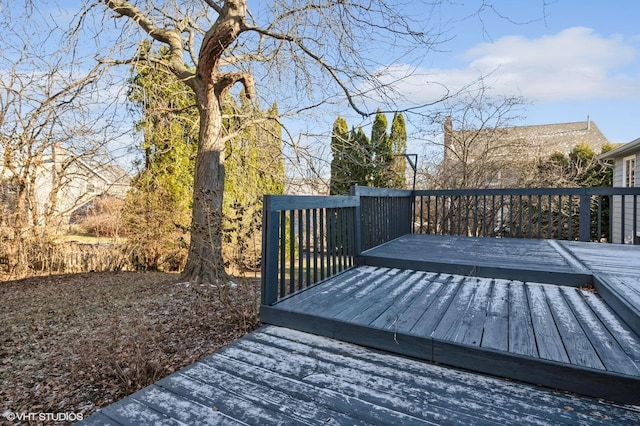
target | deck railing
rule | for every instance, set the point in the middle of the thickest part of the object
(583, 214)
(385, 214)
(307, 239)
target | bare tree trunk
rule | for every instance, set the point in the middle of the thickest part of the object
(205, 262)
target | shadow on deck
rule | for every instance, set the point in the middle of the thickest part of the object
(558, 314)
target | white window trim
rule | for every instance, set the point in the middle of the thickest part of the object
(625, 171)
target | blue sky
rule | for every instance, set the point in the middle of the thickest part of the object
(571, 59)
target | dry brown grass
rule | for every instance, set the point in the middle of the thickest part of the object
(76, 343)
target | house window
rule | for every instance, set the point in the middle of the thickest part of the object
(629, 172)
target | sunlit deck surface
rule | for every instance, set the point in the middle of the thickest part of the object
(282, 376)
(429, 330)
(559, 314)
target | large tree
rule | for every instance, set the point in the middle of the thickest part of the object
(215, 44)
(381, 148)
(358, 161)
(158, 208)
(340, 163)
(398, 142)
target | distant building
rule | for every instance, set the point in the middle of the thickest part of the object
(501, 157)
(625, 161)
(75, 182)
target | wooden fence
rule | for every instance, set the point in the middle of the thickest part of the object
(61, 258)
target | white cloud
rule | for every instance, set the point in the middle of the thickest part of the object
(575, 64)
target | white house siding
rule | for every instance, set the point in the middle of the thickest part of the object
(628, 236)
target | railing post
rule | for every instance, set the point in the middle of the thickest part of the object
(357, 228)
(585, 217)
(269, 268)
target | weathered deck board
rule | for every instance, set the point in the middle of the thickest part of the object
(606, 258)
(450, 327)
(358, 293)
(496, 324)
(473, 324)
(131, 412)
(624, 335)
(609, 350)
(407, 315)
(621, 293)
(432, 315)
(177, 406)
(338, 289)
(282, 376)
(449, 387)
(521, 336)
(366, 308)
(263, 396)
(420, 290)
(578, 345)
(545, 331)
(396, 293)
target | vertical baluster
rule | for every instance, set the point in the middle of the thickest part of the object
(283, 252)
(559, 217)
(315, 245)
(539, 216)
(599, 219)
(570, 219)
(308, 246)
(634, 237)
(435, 216)
(323, 244)
(300, 257)
(550, 217)
(530, 218)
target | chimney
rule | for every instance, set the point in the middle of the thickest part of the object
(588, 122)
(448, 133)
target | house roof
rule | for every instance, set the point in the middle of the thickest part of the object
(561, 137)
(626, 149)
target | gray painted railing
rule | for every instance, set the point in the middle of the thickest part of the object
(583, 214)
(307, 239)
(385, 214)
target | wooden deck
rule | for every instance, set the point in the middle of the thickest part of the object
(282, 376)
(544, 261)
(449, 308)
(352, 348)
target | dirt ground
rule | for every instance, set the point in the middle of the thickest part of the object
(76, 343)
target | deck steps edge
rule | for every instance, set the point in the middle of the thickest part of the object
(585, 381)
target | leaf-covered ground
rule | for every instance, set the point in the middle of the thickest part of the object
(76, 343)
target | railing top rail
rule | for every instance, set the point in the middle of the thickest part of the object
(295, 202)
(530, 191)
(368, 191)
